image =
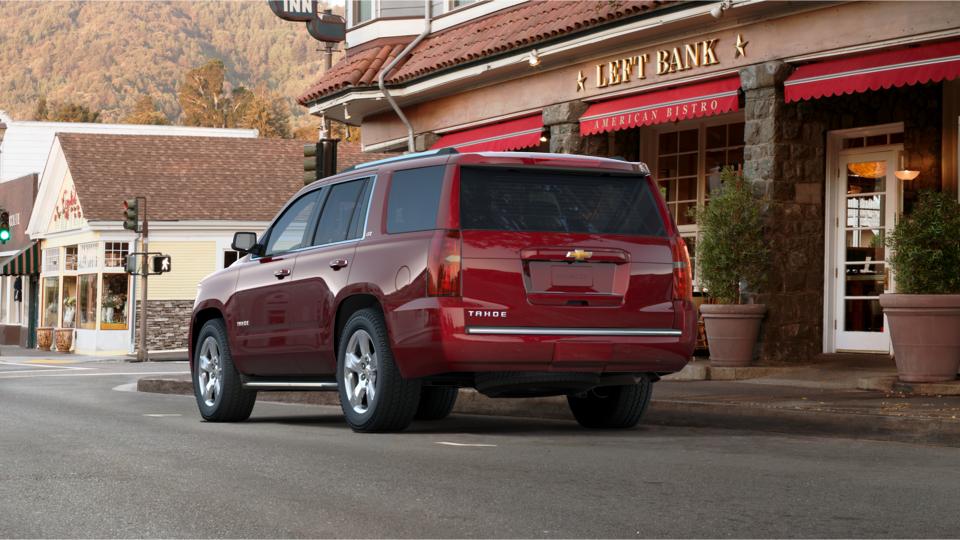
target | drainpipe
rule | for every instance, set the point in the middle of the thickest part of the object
(383, 73)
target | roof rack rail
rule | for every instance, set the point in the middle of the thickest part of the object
(404, 157)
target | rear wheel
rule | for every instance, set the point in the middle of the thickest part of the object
(216, 382)
(612, 407)
(373, 395)
(436, 402)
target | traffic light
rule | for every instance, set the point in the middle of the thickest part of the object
(131, 214)
(4, 227)
(319, 160)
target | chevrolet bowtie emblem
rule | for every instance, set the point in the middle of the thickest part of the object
(579, 255)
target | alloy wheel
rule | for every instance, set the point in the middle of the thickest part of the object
(210, 371)
(360, 367)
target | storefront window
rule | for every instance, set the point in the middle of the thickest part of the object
(114, 316)
(362, 11)
(70, 258)
(87, 301)
(678, 158)
(51, 301)
(115, 254)
(51, 260)
(69, 301)
(89, 256)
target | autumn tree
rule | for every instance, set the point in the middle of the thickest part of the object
(266, 112)
(64, 112)
(145, 112)
(202, 98)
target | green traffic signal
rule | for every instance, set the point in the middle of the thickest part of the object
(4, 227)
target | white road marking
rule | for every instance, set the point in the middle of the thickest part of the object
(162, 415)
(109, 374)
(445, 443)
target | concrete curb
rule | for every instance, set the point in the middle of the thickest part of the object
(701, 370)
(892, 384)
(668, 412)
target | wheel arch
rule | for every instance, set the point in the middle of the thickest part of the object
(201, 318)
(347, 307)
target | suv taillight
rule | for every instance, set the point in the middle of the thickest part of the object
(443, 265)
(682, 280)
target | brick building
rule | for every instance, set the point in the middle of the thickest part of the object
(822, 105)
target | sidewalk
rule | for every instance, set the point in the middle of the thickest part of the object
(817, 399)
(10, 353)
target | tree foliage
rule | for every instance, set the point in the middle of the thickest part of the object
(202, 98)
(106, 55)
(926, 246)
(145, 112)
(731, 248)
(63, 112)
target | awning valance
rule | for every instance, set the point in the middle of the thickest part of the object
(26, 262)
(508, 135)
(657, 107)
(926, 63)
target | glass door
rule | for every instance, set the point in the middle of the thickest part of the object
(867, 201)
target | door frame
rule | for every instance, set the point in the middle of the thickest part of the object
(831, 185)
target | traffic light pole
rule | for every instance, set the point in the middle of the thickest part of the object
(142, 355)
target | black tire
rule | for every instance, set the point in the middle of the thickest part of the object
(436, 402)
(232, 403)
(612, 407)
(395, 399)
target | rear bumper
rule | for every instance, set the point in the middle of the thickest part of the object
(429, 337)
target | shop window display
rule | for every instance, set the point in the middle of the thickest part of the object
(51, 302)
(87, 301)
(114, 312)
(69, 302)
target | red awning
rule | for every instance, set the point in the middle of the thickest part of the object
(873, 71)
(691, 101)
(509, 135)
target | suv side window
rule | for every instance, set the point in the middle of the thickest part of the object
(414, 199)
(336, 220)
(291, 229)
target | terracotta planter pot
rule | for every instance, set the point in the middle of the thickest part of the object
(925, 331)
(44, 338)
(732, 331)
(64, 339)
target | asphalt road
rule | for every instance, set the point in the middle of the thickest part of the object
(83, 456)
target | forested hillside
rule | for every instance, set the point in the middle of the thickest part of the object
(108, 55)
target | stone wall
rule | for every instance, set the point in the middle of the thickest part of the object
(785, 158)
(168, 322)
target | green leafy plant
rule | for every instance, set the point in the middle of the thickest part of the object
(926, 246)
(731, 248)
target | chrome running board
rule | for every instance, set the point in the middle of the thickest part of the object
(528, 331)
(290, 385)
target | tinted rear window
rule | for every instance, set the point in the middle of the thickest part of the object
(547, 201)
(414, 198)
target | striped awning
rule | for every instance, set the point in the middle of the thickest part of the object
(26, 262)
(501, 137)
(872, 71)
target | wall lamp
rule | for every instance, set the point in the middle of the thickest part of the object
(718, 10)
(534, 58)
(903, 173)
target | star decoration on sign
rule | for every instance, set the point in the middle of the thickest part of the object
(741, 46)
(580, 81)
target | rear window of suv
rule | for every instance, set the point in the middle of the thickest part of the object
(414, 198)
(555, 201)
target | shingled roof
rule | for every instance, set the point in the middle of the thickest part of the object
(183, 178)
(519, 27)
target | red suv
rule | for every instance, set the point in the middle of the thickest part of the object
(398, 282)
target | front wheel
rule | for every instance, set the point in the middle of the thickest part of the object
(216, 382)
(612, 407)
(373, 395)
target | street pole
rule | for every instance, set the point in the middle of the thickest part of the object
(142, 351)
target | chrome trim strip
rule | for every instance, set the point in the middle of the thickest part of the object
(278, 384)
(521, 331)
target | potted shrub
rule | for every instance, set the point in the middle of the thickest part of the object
(730, 253)
(924, 314)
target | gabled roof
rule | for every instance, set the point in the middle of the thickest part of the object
(183, 178)
(524, 25)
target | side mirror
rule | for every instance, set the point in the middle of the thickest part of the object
(245, 242)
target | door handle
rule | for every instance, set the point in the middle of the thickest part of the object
(338, 264)
(282, 273)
